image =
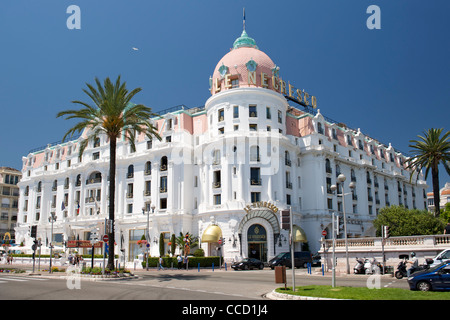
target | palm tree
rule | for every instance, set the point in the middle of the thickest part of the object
(430, 151)
(110, 113)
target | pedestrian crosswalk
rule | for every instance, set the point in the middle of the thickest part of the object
(6, 278)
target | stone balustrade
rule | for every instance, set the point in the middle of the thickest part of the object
(427, 246)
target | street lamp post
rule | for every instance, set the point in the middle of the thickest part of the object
(340, 180)
(51, 219)
(147, 236)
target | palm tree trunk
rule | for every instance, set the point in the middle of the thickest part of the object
(112, 193)
(436, 195)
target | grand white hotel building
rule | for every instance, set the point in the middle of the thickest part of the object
(225, 170)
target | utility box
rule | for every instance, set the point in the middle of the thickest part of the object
(280, 274)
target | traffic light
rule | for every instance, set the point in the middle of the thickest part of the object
(386, 232)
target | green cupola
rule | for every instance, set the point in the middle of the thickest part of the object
(244, 41)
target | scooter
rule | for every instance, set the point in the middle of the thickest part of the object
(359, 267)
(401, 270)
(376, 266)
(367, 266)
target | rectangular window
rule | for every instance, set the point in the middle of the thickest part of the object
(280, 116)
(236, 112)
(96, 155)
(163, 184)
(268, 114)
(255, 197)
(163, 203)
(255, 176)
(221, 115)
(252, 112)
(217, 199)
(253, 127)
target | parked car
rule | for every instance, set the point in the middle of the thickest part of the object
(248, 263)
(441, 257)
(301, 259)
(316, 260)
(435, 278)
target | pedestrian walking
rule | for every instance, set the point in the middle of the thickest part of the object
(161, 263)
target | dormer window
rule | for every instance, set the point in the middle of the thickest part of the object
(319, 128)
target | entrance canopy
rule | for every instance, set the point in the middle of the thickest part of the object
(264, 213)
(299, 234)
(212, 234)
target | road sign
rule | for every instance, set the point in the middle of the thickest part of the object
(220, 241)
(105, 238)
(324, 233)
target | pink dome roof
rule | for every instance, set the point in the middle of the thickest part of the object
(237, 64)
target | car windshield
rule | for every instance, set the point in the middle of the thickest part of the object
(438, 266)
(280, 255)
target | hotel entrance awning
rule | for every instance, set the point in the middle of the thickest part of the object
(212, 234)
(299, 234)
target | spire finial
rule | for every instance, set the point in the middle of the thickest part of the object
(243, 22)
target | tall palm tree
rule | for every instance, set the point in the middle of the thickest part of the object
(430, 151)
(111, 113)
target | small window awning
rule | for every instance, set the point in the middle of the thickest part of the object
(212, 234)
(299, 234)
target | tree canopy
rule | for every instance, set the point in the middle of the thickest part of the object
(405, 222)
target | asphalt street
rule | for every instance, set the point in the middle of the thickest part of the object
(171, 285)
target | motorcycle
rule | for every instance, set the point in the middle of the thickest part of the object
(401, 270)
(359, 267)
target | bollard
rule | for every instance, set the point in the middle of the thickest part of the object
(323, 272)
(213, 266)
(199, 267)
(225, 266)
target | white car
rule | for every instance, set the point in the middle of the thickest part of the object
(443, 256)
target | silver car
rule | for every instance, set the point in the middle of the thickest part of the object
(441, 257)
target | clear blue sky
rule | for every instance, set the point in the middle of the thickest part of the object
(393, 83)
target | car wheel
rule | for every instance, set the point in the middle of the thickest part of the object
(246, 267)
(261, 266)
(423, 286)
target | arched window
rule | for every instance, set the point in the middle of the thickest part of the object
(148, 168)
(328, 166)
(287, 158)
(319, 128)
(254, 153)
(352, 175)
(130, 172)
(163, 166)
(338, 170)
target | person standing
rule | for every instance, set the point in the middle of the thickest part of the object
(180, 262)
(447, 229)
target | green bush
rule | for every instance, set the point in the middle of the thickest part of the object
(199, 253)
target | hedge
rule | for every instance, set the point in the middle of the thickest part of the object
(193, 262)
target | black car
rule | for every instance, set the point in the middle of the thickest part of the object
(301, 259)
(248, 263)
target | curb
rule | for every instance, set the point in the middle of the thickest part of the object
(283, 296)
